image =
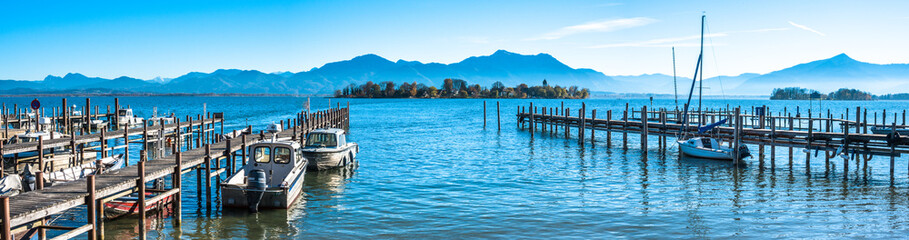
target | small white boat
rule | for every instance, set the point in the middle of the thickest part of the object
(328, 148)
(126, 116)
(704, 147)
(10, 185)
(273, 178)
(32, 136)
(71, 174)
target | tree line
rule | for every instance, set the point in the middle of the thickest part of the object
(458, 88)
(796, 93)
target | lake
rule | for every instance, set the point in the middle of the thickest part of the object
(428, 169)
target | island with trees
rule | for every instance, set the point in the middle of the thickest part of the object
(458, 88)
(796, 93)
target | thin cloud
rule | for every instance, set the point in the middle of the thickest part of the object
(679, 41)
(598, 26)
(806, 28)
(660, 42)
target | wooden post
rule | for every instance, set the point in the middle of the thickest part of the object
(140, 185)
(498, 117)
(126, 145)
(243, 148)
(845, 150)
(808, 143)
(644, 130)
(4, 211)
(178, 184)
(41, 166)
(608, 128)
(567, 129)
(892, 149)
(90, 206)
(593, 117)
(484, 114)
(736, 139)
(208, 176)
(530, 111)
(116, 112)
(625, 127)
(772, 143)
(103, 145)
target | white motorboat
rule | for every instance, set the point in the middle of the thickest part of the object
(273, 178)
(328, 148)
(705, 147)
(126, 116)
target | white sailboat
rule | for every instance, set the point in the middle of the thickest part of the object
(705, 147)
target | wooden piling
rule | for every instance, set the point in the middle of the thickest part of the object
(808, 143)
(532, 125)
(90, 206)
(608, 128)
(498, 117)
(140, 185)
(644, 130)
(5, 231)
(593, 117)
(208, 176)
(178, 184)
(484, 114)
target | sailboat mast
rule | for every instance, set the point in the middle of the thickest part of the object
(675, 85)
(697, 69)
(701, 82)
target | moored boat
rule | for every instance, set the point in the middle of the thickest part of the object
(128, 205)
(273, 178)
(704, 147)
(328, 148)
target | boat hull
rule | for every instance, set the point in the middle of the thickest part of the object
(328, 159)
(718, 154)
(129, 205)
(234, 195)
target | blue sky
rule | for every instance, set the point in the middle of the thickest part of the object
(171, 38)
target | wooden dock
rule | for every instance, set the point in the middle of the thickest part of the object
(814, 132)
(210, 155)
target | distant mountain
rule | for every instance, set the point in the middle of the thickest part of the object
(509, 68)
(830, 74)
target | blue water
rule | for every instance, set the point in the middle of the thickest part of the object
(428, 169)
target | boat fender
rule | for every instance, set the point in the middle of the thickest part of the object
(255, 189)
(892, 138)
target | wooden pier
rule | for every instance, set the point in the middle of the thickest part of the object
(196, 147)
(812, 133)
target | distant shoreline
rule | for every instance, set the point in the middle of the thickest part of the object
(162, 95)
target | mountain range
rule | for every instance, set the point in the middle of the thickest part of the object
(509, 68)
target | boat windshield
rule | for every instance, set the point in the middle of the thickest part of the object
(321, 140)
(123, 112)
(282, 155)
(261, 154)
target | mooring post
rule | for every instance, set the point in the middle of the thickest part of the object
(498, 117)
(229, 153)
(140, 185)
(567, 124)
(530, 113)
(608, 128)
(117, 112)
(808, 143)
(90, 207)
(892, 149)
(103, 144)
(208, 176)
(772, 143)
(736, 139)
(126, 145)
(644, 130)
(178, 184)
(41, 166)
(484, 114)
(846, 150)
(4, 210)
(593, 118)
(625, 127)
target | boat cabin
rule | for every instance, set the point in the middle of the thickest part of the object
(326, 138)
(277, 158)
(33, 137)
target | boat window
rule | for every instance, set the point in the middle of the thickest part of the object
(282, 155)
(261, 154)
(123, 112)
(321, 140)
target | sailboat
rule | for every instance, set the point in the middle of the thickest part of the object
(705, 147)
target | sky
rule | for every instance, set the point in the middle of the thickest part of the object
(148, 39)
